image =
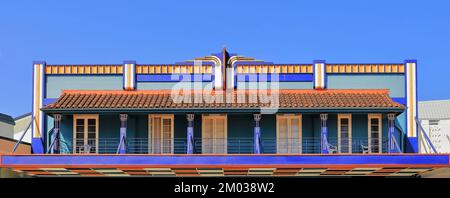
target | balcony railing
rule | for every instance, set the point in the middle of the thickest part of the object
(243, 145)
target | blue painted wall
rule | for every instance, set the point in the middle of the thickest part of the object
(66, 133)
(240, 133)
(269, 85)
(171, 85)
(56, 83)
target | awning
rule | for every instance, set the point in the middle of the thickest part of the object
(227, 101)
(226, 165)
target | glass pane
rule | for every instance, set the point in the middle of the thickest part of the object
(166, 122)
(79, 128)
(80, 121)
(79, 135)
(91, 122)
(92, 135)
(92, 129)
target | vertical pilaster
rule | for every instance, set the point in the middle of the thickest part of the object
(257, 134)
(123, 133)
(129, 75)
(38, 116)
(190, 134)
(391, 125)
(56, 133)
(218, 73)
(411, 103)
(324, 133)
(319, 74)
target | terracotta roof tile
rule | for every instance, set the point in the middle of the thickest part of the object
(248, 99)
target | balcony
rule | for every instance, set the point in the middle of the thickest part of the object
(243, 145)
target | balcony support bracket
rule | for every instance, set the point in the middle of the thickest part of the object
(324, 133)
(123, 133)
(257, 134)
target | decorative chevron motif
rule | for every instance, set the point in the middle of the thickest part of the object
(173, 69)
(275, 68)
(84, 69)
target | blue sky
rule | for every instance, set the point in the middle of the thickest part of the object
(76, 32)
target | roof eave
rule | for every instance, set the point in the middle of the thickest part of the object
(228, 110)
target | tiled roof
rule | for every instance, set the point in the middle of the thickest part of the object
(249, 99)
(6, 119)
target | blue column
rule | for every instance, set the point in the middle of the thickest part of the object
(123, 134)
(324, 133)
(56, 134)
(190, 134)
(391, 125)
(257, 134)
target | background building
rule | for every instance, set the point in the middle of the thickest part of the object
(435, 119)
(22, 122)
(6, 126)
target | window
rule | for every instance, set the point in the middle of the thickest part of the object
(289, 133)
(374, 129)
(344, 133)
(214, 134)
(160, 129)
(85, 134)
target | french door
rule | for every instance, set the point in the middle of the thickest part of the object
(214, 134)
(289, 133)
(160, 128)
(85, 133)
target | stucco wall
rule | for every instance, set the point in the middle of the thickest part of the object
(56, 83)
(394, 82)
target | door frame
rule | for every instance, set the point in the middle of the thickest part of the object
(300, 136)
(150, 134)
(214, 117)
(349, 117)
(378, 116)
(85, 117)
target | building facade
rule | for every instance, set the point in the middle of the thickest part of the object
(226, 110)
(349, 100)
